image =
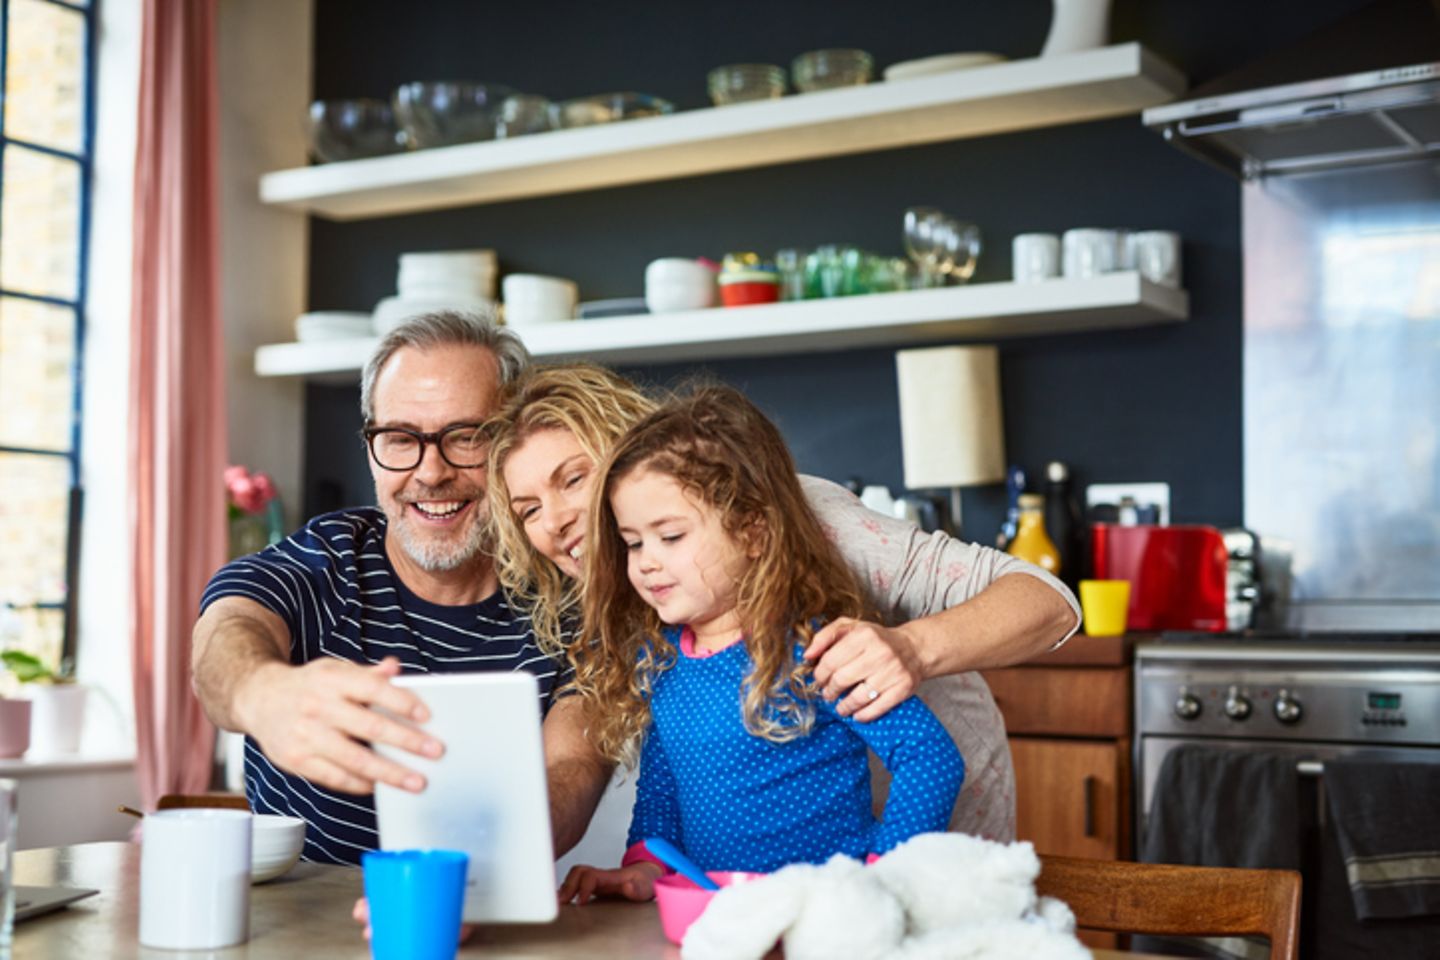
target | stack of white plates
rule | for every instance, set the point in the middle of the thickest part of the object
(333, 325)
(447, 275)
(944, 63)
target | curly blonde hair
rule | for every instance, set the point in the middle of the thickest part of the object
(596, 405)
(724, 452)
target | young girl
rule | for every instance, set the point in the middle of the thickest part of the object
(707, 576)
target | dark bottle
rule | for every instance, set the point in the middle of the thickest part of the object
(1014, 486)
(1062, 522)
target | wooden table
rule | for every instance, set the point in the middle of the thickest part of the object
(304, 913)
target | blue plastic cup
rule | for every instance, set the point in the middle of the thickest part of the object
(416, 900)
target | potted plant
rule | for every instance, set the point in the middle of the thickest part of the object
(56, 701)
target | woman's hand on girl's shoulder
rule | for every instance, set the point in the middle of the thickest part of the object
(874, 668)
(635, 882)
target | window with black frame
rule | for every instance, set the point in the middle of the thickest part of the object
(45, 140)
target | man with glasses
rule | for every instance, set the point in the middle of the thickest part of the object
(297, 642)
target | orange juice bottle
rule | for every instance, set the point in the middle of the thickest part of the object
(1031, 541)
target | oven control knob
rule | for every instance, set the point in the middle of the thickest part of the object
(1237, 706)
(1287, 708)
(1187, 707)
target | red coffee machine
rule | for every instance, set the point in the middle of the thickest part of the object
(1176, 573)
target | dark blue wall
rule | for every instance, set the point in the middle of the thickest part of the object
(1150, 404)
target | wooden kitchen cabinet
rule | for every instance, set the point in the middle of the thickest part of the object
(1070, 796)
(1069, 720)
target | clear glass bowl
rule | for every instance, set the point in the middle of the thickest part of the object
(608, 108)
(827, 69)
(524, 113)
(739, 82)
(439, 114)
(353, 129)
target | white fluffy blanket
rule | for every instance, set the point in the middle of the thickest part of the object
(940, 896)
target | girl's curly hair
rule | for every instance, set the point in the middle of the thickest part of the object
(727, 455)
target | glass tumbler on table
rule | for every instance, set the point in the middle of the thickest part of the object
(8, 827)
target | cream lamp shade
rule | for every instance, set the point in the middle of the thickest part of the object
(950, 425)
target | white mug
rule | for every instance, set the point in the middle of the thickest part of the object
(1089, 252)
(1035, 256)
(1157, 256)
(195, 879)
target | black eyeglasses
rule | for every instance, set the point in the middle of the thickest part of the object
(399, 448)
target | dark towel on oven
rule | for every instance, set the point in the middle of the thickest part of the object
(1221, 808)
(1386, 817)
(1224, 808)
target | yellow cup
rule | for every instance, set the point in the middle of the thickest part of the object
(1105, 604)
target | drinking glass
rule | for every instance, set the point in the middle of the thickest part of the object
(958, 247)
(921, 227)
(790, 264)
(8, 792)
(825, 272)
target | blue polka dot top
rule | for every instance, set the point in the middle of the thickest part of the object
(735, 801)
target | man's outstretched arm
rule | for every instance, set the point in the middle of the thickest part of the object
(313, 720)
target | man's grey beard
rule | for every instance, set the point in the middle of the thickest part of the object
(440, 556)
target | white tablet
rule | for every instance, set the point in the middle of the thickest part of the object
(486, 796)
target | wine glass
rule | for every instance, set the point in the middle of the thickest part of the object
(959, 245)
(921, 225)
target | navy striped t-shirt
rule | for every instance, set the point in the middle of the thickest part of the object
(334, 587)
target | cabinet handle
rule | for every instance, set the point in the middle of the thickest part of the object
(1089, 788)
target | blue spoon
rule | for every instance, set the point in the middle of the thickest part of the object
(671, 856)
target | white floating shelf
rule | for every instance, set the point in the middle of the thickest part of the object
(988, 311)
(1017, 95)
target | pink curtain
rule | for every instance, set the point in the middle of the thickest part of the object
(177, 396)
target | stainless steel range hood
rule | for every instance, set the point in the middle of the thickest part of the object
(1363, 118)
(1361, 89)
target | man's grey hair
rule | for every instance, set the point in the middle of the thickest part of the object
(443, 328)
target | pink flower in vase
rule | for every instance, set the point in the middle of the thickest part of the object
(248, 492)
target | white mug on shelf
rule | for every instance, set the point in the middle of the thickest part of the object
(1157, 256)
(1035, 256)
(195, 879)
(1089, 252)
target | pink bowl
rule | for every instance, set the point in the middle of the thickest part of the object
(681, 902)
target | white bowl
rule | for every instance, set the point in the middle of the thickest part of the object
(674, 283)
(393, 311)
(534, 298)
(275, 845)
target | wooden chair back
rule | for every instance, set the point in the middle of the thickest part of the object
(228, 801)
(1162, 899)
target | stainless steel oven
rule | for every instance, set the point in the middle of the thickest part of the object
(1315, 698)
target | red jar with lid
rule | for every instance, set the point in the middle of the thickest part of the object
(740, 288)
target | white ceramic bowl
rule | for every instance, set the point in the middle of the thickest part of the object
(275, 845)
(393, 311)
(533, 298)
(674, 283)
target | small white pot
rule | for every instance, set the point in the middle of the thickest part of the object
(57, 717)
